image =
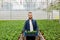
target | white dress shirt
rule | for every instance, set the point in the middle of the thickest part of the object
(31, 26)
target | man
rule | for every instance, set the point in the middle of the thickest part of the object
(30, 25)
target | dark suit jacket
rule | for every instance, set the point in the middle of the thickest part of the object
(27, 25)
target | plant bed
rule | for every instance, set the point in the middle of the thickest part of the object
(33, 32)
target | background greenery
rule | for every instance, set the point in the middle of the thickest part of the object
(11, 29)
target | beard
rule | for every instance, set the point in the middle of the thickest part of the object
(30, 17)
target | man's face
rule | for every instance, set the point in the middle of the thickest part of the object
(30, 15)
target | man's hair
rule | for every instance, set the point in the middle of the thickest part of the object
(29, 12)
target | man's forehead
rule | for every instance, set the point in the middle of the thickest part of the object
(29, 13)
